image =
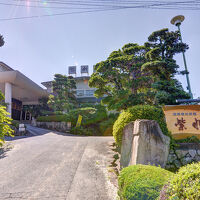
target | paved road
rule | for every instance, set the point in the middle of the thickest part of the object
(57, 167)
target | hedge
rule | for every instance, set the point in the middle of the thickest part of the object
(92, 117)
(185, 184)
(142, 182)
(138, 112)
(53, 118)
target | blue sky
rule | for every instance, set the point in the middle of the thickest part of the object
(41, 47)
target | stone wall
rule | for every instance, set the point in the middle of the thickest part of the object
(57, 126)
(183, 154)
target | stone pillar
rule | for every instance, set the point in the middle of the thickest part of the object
(21, 115)
(8, 97)
(25, 116)
(144, 143)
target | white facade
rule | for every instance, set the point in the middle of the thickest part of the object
(15, 85)
(83, 92)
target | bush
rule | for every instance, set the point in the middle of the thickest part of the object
(138, 112)
(92, 116)
(142, 182)
(5, 123)
(15, 124)
(185, 184)
(53, 118)
(106, 126)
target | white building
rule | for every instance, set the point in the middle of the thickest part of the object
(84, 93)
(18, 90)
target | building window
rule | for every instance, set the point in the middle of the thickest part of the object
(89, 93)
(80, 93)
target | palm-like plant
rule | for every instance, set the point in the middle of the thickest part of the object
(1, 40)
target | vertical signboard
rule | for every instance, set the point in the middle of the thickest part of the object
(72, 70)
(183, 120)
(78, 124)
(84, 69)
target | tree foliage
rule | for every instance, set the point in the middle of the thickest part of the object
(5, 122)
(63, 89)
(121, 79)
(163, 46)
(141, 74)
(1, 41)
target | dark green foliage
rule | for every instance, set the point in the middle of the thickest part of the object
(15, 123)
(92, 118)
(88, 131)
(38, 110)
(142, 182)
(121, 79)
(185, 184)
(169, 92)
(1, 41)
(138, 75)
(138, 112)
(63, 98)
(163, 46)
(106, 126)
(53, 118)
(192, 139)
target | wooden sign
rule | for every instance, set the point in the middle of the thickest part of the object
(183, 120)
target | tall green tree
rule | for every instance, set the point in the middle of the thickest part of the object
(163, 45)
(64, 94)
(121, 79)
(141, 74)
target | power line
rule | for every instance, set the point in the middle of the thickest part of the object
(178, 5)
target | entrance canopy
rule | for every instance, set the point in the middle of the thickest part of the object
(23, 88)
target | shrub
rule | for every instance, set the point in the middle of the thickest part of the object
(82, 131)
(15, 123)
(92, 116)
(106, 126)
(138, 112)
(185, 184)
(5, 123)
(53, 118)
(142, 182)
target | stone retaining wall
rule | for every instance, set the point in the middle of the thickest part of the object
(57, 126)
(184, 154)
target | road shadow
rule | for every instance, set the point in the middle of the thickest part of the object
(4, 149)
(35, 131)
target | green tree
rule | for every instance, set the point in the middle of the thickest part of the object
(1, 41)
(121, 79)
(163, 45)
(141, 74)
(5, 122)
(64, 94)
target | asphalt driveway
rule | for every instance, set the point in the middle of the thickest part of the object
(56, 166)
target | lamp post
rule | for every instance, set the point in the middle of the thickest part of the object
(177, 22)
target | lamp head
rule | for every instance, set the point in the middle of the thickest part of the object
(177, 20)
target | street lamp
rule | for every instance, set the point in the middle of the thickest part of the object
(177, 22)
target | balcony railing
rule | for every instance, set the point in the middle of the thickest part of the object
(84, 93)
